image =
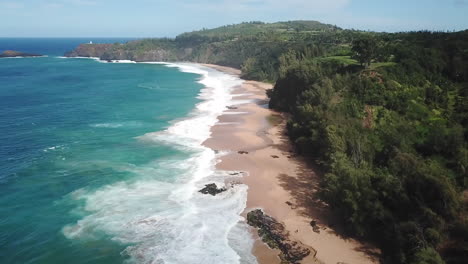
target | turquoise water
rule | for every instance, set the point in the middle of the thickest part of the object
(101, 163)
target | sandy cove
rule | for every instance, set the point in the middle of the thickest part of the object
(279, 182)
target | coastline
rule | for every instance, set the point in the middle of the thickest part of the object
(178, 223)
(278, 181)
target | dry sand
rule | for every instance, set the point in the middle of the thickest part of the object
(279, 182)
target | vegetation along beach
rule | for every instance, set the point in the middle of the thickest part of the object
(293, 142)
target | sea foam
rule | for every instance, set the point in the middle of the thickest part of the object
(171, 222)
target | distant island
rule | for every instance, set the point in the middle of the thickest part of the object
(13, 54)
(382, 116)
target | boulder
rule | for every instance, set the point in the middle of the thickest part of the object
(315, 227)
(275, 235)
(212, 189)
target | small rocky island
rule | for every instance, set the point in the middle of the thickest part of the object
(12, 54)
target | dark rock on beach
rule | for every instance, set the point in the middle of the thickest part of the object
(242, 152)
(275, 235)
(12, 54)
(212, 189)
(293, 206)
(315, 227)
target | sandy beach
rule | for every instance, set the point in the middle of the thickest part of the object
(280, 182)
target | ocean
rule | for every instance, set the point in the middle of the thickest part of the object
(102, 162)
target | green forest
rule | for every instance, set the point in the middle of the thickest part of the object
(383, 115)
(386, 117)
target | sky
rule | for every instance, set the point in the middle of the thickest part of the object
(168, 18)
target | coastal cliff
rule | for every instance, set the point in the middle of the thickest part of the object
(90, 50)
(249, 44)
(111, 52)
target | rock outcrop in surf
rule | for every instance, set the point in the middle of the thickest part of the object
(275, 235)
(212, 189)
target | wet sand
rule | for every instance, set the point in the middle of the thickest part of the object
(280, 182)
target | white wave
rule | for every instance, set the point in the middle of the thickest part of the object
(171, 222)
(81, 57)
(216, 96)
(27, 57)
(242, 94)
(108, 125)
(235, 113)
(227, 123)
(241, 102)
(58, 147)
(117, 124)
(122, 61)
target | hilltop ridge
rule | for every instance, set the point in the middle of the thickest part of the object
(256, 27)
(221, 45)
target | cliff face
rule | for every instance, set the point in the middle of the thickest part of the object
(120, 52)
(161, 52)
(89, 50)
(149, 55)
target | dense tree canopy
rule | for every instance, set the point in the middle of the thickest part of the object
(365, 49)
(390, 137)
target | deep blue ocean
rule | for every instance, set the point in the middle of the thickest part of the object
(101, 162)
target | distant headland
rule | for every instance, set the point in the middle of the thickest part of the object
(13, 53)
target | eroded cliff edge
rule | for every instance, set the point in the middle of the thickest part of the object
(117, 51)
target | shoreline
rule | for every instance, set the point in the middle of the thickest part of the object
(279, 182)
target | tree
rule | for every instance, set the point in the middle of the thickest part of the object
(427, 256)
(365, 49)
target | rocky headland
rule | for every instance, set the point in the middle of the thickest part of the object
(13, 54)
(111, 52)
